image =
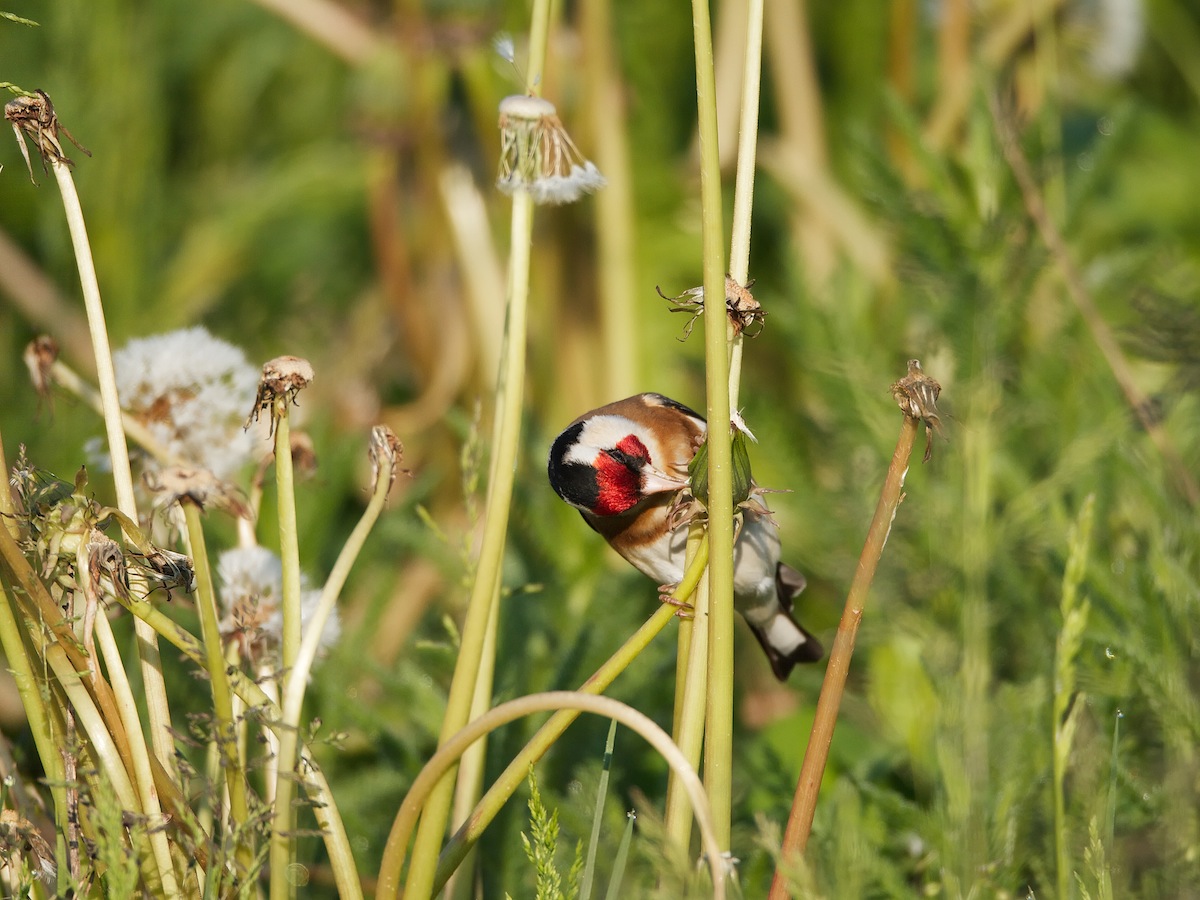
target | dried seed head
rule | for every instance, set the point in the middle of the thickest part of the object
(33, 115)
(386, 453)
(284, 376)
(251, 589)
(745, 313)
(176, 484)
(916, 394)
(39, 356)
(537, 155)
(104, 560)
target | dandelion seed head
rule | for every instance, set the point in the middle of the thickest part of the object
(251, 590)
(537, 155)
(191, 390)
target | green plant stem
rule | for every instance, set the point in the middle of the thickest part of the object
(100, 739)
(472, 766)
(444, 758)
(7, 512)
(158, 710)
(32, 701)
(139, 755)
(289, 534)
(804, 804)
(214, 655)
(743, 192)
(516, 772)
(692, 710)
(297, 683)
(718, 754)
(499, 499)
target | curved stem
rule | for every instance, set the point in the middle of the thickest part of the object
(452, 749)
(517, 770)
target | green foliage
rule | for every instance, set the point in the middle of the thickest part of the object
(246, 177)
(541, 848)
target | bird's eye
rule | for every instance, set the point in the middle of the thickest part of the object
(628, 460)
(630, 452)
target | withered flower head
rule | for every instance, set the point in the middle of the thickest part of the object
(745, 313)
(251, 589)
(176, 484)
(284, 376)
(33, 115)
(39, 356)
(101, 559)
(537, 155)
(916, 394)
(386, 453)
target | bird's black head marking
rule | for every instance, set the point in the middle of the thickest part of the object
(575, 482)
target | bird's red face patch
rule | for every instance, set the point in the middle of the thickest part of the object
(618, 476)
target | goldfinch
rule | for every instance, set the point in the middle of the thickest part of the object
(623, 464)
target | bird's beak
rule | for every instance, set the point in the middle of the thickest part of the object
(655, 482)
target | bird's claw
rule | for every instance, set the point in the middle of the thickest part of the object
(684, 609)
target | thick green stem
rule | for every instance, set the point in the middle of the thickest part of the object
(516, 772)
(36, 713)
(491, 554)
(289, 535)
(147, 643)
(297, 683)
(423, 785)
(691, 714)
(743, 192)
(214, 658)
(718, 756)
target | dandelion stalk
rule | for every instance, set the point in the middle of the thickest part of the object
(452, 749)
(215, 664)
(297, 681)
(805, 802)
(690, 707)
(147, 643)
(514, 775)
(718, 754)
(140, 757)
(36, 713)
(289, 534)
(506, 441)
(743, 192)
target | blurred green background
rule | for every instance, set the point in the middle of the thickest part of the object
(324, 190)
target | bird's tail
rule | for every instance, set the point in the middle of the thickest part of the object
(783, 639)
